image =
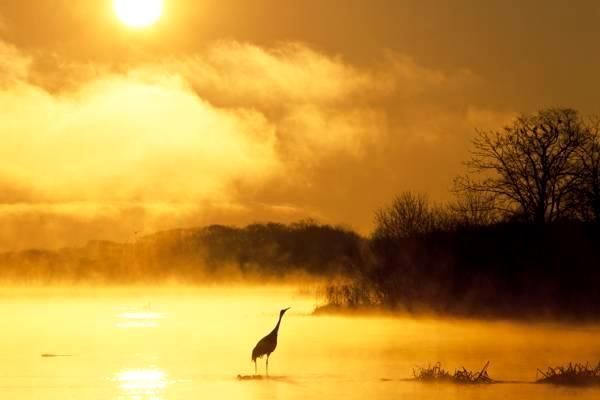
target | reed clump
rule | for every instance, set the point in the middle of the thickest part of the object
(574, 374)
(437, 373)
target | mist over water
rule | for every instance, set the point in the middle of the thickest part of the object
(188, 343)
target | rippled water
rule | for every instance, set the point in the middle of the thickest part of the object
(183, 343)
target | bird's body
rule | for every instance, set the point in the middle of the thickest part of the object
(265, 346)
(268, 344)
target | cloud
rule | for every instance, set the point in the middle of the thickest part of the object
(233, 134)
(242, 74)
(119, 138)
(14, 66)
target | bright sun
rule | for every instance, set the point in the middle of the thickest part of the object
(138, 13)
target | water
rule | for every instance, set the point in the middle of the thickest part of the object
(182, 343)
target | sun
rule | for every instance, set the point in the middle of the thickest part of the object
(138, 13)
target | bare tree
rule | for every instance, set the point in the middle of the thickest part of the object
(408, 215)
(530, 167)
(473, 209)
(587, 197)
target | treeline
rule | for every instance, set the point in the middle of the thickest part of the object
(520, 238)
(258, 251)
(504, 269)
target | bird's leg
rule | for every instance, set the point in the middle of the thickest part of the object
(255, 369)
(267, 366)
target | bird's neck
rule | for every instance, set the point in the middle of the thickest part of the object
(276, 329)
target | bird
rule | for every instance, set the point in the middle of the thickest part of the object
(268, 344)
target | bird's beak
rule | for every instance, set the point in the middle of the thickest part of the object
(285, 309)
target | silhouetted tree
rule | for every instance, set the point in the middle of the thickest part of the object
(530, 167)
(408, 215)
(587, 195)
(472, 208)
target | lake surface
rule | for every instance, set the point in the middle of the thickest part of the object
(191, 343)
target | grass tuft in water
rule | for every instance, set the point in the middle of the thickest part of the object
(571, 375)
(462, 376)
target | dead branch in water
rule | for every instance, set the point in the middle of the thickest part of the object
(572, 374)
(462, 376)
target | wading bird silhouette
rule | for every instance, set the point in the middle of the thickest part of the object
(268, 344)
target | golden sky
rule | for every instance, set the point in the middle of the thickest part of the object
(235, 111)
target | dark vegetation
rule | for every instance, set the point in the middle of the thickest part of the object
(521, 238)
(437, 374)
(259, 251)
(571, 375)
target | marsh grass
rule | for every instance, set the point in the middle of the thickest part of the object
(437, 373)
(570, 375)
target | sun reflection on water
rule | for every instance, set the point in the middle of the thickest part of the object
(142, 384)
(139, 320)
